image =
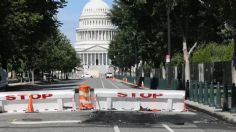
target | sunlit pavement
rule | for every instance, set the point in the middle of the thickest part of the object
(113, 122)
(109, 121)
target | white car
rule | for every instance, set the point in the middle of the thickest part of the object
(109, 75)
(87, 76)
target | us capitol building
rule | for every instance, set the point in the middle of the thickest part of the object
(93, 36)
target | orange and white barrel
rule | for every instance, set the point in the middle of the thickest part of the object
(84, 97)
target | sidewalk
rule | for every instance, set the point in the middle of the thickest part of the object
(227, 116)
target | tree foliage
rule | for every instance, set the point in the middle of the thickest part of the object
(30, 38)
(213, 52)
(142, 25)
(57, 53)
(23, 24)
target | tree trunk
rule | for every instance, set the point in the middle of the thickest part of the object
(234, 61)
(32, 74)
(186, 60)
(21, 78)
(163, 72)
(233, 73)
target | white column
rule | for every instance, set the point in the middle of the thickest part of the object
(82, 35)
(87, 58)
(95, 58)
(102, 59)
(91, 59)
(86, 32)
(84, 58)
(94, 35)
(110, 35)
(88, 35)
(98, 59)
(100, 35)
(105, 35)
(106, 59)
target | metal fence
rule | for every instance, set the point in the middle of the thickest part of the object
(212, 72)
(220, 96)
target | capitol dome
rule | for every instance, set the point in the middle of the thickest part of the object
(93, 35)
(95, 7)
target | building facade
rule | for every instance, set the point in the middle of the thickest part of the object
(93, 36)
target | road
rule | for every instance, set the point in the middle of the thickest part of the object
(90, 121)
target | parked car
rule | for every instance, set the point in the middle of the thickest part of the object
(87, 76)
(109, 75)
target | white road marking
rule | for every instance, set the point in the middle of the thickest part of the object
(114, 85)
(102, 83)
(45, 122)
(168, 128)
(116, 128)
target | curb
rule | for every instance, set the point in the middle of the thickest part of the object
(130, 84)
(226, 116)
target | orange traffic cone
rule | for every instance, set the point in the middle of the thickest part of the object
(142, 85)
(30, 105)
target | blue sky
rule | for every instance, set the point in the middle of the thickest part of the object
(70, 14)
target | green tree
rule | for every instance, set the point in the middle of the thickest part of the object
(57, 53)
(145, 27)
(213, 52)
(23, 24)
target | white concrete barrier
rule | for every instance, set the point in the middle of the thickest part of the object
(139, 100)
(56, 100)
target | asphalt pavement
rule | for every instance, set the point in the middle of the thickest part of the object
(109, 121)
(89, 121)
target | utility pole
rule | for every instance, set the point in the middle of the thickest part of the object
(168, 56)
(136, 57)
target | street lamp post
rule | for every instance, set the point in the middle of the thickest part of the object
(136, 58)
(168, 45)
